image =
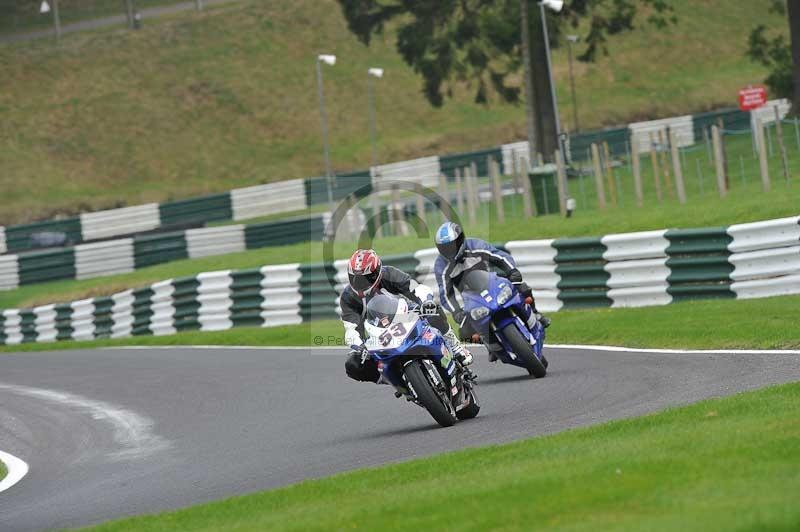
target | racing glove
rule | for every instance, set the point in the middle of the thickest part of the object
(361, 353)
(514, 276)
(522, 287)
(525, 290)
(429, 308)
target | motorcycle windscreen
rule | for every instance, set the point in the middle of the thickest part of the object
(476, 281)
(389, 322)
(382, 309)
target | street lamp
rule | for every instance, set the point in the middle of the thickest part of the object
(556, 6)
(373, 73)
(572, 39)
(328, 60)
(44, 9)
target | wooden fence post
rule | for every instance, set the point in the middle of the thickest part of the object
(420, 191)
(598, 177)
(516, 174)
(497, 189)
(719, 162)
(726, 173)
(476, 187)
(528, 207)
(610, 177)
(781, 145)
(707, 142)
(561, 177)
(471, 207)
(663, 141)
(391, 216)
(375, 203)
(459, 192)
(656, 170)
(350, 219)
(444, 193)
(762, 155)
(637, 171)
(399, 212)
(676, 165)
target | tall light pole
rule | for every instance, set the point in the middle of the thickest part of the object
(526, 63)
(373, 73)
(129, 11)
(328, 60)
(572, 39)
(555, 6)
(45, 8)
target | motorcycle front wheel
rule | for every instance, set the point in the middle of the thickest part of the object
(426, 394)
(472, 409)
(524, 351)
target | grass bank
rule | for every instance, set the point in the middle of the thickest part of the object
(768, 323)
(204, 102)
(725, 464)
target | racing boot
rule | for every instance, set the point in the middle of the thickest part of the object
(458, 349)
(535, 316)
(544, 320)
(493, 348)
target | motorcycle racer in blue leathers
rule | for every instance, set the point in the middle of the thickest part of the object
(458, 255)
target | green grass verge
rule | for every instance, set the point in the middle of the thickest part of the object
(204, 102)
(768, 323)
(724, 464)
(3, 470)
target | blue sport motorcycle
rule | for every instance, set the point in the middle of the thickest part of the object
(413, 357)
(497, 311)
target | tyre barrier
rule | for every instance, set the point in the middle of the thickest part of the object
(125, 255)
(752, 260)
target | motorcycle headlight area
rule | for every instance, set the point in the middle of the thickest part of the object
(504, 295)
(478, 313)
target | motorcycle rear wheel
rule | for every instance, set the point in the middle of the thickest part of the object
(427, 395)
(524, 351)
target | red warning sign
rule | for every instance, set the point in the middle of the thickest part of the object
(752, 98)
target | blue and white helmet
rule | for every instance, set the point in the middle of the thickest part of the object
(450, 241)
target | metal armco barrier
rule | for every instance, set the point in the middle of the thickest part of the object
(647, 268)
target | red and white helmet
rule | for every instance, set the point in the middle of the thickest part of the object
(364, 271)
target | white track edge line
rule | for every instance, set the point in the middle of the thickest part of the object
(610, 348)
(17, 469)
(676, 351)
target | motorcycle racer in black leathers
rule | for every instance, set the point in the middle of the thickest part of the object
(368, 277)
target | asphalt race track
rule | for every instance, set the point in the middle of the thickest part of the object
(109, 433)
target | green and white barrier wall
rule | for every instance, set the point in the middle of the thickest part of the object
(743, 261)
(125, 255)
(299, 194)
(238, 204)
